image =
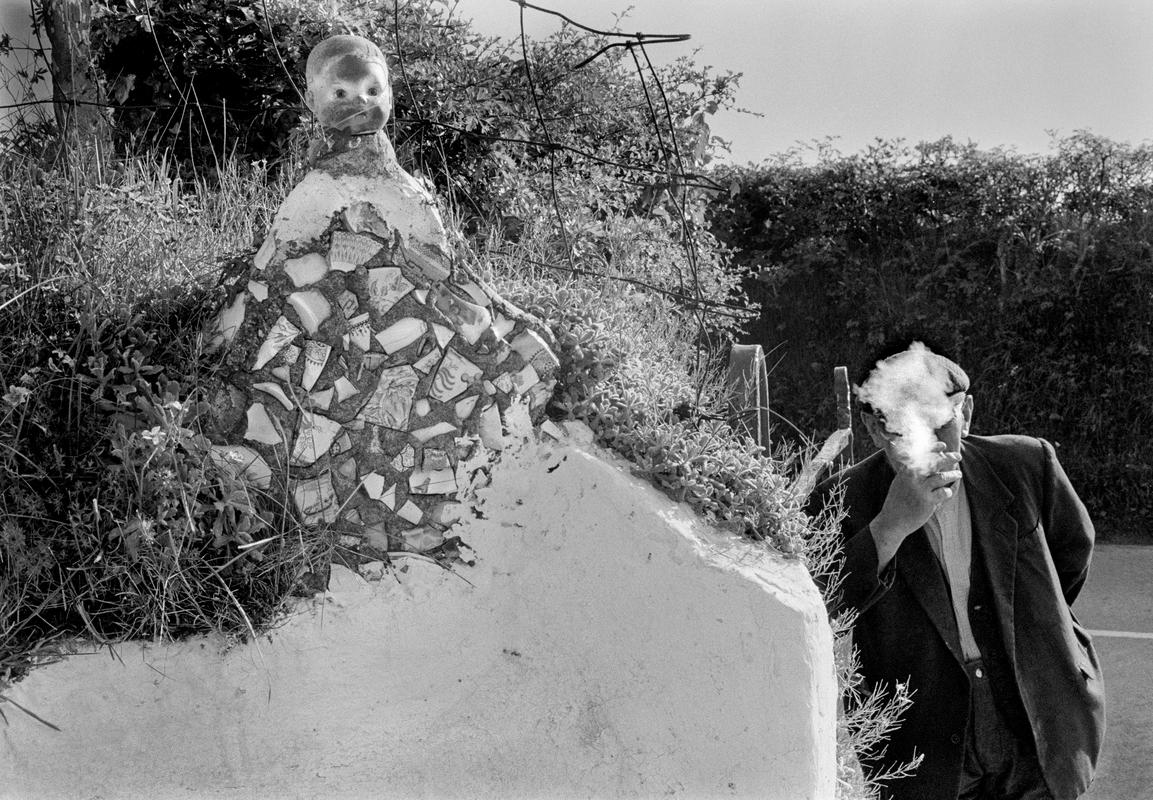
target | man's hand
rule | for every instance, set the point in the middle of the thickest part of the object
(911, 501)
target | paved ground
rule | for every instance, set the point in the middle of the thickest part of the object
(1117, 605)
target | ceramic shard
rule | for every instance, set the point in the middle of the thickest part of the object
(410, 512)
(455, 375)
(321, 400)
(445, 513)
(360, 332)
(431, 259)
(258, 290)
(231, 318)
(432, 431)
(503, 326)
(241, 461)
(490, 429)
(363, 218)
(405, 459)
(552, 429)
(434, 458)
(389, 498)
(282, 372)
(469, 319)
(376, 537)
(464, 407)
(290, 355)
(426, 362)
(316, 499)
(348, 303)
(314, 438)
(503, 382)
(476, 293)
(533, 349)
(347, 469)
(349, 251)
(268, 387)
(421, 407)
(344, 389)
(373, 361)
(421, 296)
(386, 287)
(342, 445)
(265, 254)
(391, 402)
(374, 441)
(373, 484)
(540, 393)
(260, 427)
(443, 334)
(311, 308)
(421, 540)
(315, 357)
(278, 338)
(524, 379)
(401, 334)
(306, 270)
(489, 387)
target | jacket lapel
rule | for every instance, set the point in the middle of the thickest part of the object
(925, 577)
(995, 529)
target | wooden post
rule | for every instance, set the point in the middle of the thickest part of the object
(77, 98)
(844, 413)
(747, 385)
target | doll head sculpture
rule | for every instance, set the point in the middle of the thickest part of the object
(347, 85)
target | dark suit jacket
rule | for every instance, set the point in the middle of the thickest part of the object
(1036, 540)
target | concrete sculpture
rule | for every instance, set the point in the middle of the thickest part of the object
(365, 368)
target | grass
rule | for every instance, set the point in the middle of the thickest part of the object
(115, 522)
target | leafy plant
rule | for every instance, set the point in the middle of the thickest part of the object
(1034, 270)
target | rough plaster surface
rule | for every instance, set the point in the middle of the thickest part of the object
(606, 644)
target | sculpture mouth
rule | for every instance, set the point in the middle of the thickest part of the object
(364, 120)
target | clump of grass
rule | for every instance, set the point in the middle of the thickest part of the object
(118, 519)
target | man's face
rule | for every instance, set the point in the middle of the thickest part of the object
(950, 433)
(351, 94)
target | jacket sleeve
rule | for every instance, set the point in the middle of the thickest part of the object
(1068, 529)
(861, 585)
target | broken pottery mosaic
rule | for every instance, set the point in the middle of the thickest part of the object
(366, 373)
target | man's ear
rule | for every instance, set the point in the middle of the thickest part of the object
(966, 414)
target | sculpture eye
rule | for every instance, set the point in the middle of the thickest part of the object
(340, 93)
(374, 91)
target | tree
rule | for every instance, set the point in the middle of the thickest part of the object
(77, 88)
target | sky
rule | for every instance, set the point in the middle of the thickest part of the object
(995, 72)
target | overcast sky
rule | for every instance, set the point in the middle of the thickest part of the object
(997, 72)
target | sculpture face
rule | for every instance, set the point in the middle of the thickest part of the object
(350, 93)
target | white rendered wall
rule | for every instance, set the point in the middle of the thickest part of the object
(606, 644)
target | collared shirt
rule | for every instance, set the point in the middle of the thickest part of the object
(950, 531)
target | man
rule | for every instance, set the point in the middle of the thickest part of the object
(962, 562)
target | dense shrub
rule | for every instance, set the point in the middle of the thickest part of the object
(1034, 270)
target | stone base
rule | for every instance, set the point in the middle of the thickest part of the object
(606, 643)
